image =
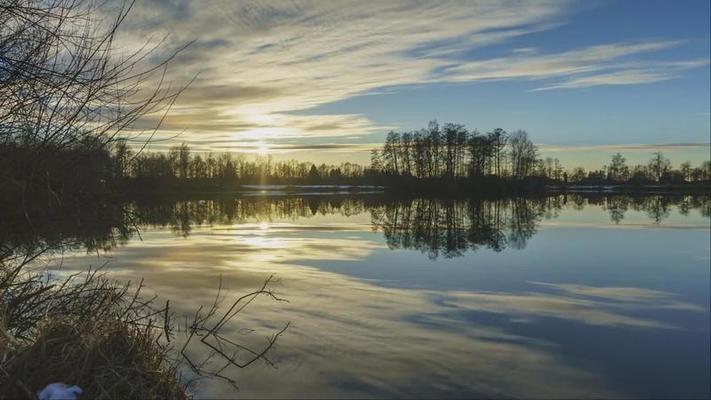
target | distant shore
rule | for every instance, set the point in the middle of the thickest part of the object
(627, 188)
(428, 189)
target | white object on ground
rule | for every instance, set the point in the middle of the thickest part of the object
(59, 391)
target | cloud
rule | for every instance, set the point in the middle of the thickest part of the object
(227, 95)
(631, 77)
(261, 61)
(592, 66)
(627, 77)
(230, 145)
(533, 65)
(624, 147)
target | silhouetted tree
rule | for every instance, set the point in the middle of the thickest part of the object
(523, 155)
(480, 154)
(64, 98)
(498, 139)
(618, 170)
(658, 166)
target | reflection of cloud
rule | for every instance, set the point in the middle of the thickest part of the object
(247, 246)
(260, 61)
(651, 298)
(350, 338)
(541, 305)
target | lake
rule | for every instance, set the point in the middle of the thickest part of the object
(589, 295)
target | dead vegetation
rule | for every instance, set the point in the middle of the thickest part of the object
(110, 339)
(68, 99)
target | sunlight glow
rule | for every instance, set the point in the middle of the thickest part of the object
(262, 149)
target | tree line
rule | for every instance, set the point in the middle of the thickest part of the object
(658, 169)
(180, 163)
(451, 152)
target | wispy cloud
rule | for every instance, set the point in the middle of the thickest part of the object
(592, 66)
(534, 65)
(261, 61)
(634, 76)
(625, 147)
(631, 77)
(227, 145)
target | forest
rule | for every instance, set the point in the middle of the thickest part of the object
(439, 154)
(447, 155)
(450, 152)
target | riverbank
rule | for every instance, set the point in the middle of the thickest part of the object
(632, 189)
(414, 187)
(86, 331)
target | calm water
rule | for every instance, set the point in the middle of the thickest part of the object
(557, 297)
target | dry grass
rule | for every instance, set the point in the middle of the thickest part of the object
(107, 360)
(85, 330)
(107, 338)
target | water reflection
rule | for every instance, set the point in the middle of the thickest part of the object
(451, 227)
(434, 226)
(570, 311)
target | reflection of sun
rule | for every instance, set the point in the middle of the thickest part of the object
(262, 148)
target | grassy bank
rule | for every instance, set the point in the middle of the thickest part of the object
(86, 331)
(108, 339)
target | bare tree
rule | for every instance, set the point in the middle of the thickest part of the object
(658, 166)
(64, 94)
(618, 170)
(523, 154)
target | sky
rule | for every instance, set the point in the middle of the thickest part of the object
(324, 81)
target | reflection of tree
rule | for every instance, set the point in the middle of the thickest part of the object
(451, 227)
(523, 222)
(436, 227)
(104, 224)
(617, 207)
(703, 203)
(657, 207)
(94, 227)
